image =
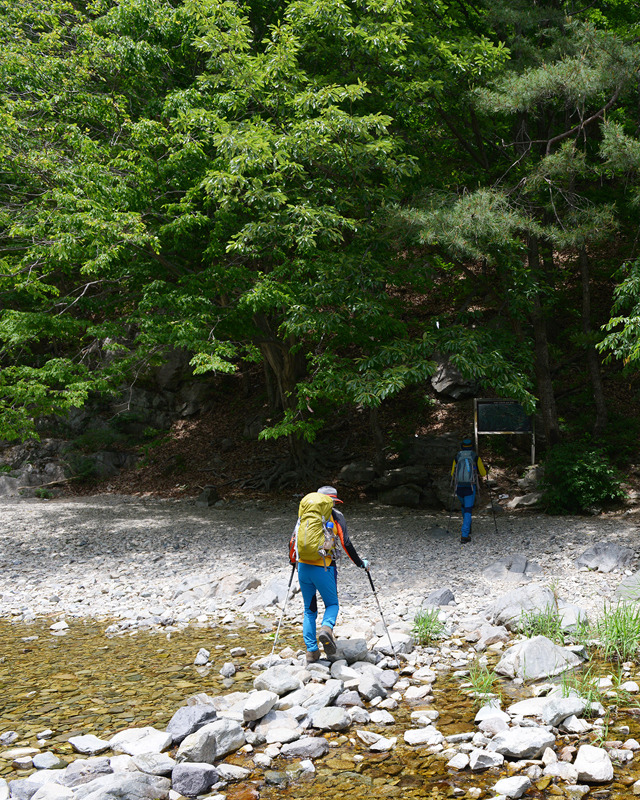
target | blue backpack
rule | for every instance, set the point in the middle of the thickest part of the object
(466, 471)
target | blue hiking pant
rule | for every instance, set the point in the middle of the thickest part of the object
(467, 497)
(317, 579)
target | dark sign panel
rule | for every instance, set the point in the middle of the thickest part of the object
(502, 416)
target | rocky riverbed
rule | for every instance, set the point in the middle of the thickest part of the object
(160, 565)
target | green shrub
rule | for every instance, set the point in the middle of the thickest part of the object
(578, 477)
(427, 626)
(542, 623)
(95, 439)
(618, 630)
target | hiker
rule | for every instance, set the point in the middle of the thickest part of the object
(313, 546)
(465, 471)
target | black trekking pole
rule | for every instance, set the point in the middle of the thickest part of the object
(375, 594)
(275, 641)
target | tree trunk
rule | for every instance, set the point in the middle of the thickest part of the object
(541, 351)
(593, 363)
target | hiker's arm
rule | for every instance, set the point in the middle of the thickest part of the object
(481, 468)
(292, 545)
(345, 541)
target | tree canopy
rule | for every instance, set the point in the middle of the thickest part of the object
(345, 191)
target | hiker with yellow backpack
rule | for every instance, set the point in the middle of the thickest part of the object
(314, 546)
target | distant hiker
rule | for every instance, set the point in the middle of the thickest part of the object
(313, 546)
(465, 471)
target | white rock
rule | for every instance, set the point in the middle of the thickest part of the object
(423, 736)
(382, 717)
(88, 744)
(593, 764)
(459, 761)
(136, 741)
(258, 704)
(515, 786)
(383, 744)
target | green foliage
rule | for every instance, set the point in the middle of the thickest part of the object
(577, 477)
(618, 630)
(44, 494)
(546, 622)
(427, 627)
(484, 682)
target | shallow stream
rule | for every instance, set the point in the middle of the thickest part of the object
(83, 682)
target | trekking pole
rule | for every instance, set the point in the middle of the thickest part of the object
(275, 641)
(492, 506)
(375, 594)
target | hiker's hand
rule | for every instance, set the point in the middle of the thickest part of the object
(365, 564)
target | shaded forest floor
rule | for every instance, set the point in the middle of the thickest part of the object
(214, 450)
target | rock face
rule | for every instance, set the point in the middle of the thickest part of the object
(533, 659)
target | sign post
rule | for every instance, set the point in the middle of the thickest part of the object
(503, 417)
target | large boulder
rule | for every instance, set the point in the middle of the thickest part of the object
(605, 557)
(536, 658)
(519, 743)
(593, 764)
(508, 609)
(188, 719)
(191, 780)
(278, 679)
(211, 742)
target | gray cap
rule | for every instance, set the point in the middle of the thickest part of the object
(331, 491)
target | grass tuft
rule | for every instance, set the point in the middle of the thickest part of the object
(427, 626)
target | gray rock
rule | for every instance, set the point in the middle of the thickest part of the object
(349, 699)
(571, 615)
(331, 718)
(307, 747)
(402, 643)
(593, 764)
(128, 786)
(209, 496)
(211, 742)
(202, 657)
(258, 704)
(536, 658)
(48, 760)
(369, 688)
(24, 789)
(522, 743)
(357, 472)
(228, 670)
(440, 597)
(193, 779)
(278, 679)
(507, 609)
(53, 791)
(351, 650)
(86, 770)
(605, 557)
(409, 496)
(4, 789)
(232, 772)
(629, 588)
(484, 759)
(155, 763)
(449, 381)
(558, 709)
(324, 697)
(415, 474)
(188, 719)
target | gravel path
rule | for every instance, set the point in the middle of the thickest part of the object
(121, 557)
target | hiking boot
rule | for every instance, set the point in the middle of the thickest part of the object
(465, 539)
(313, 655)
(327, 640)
